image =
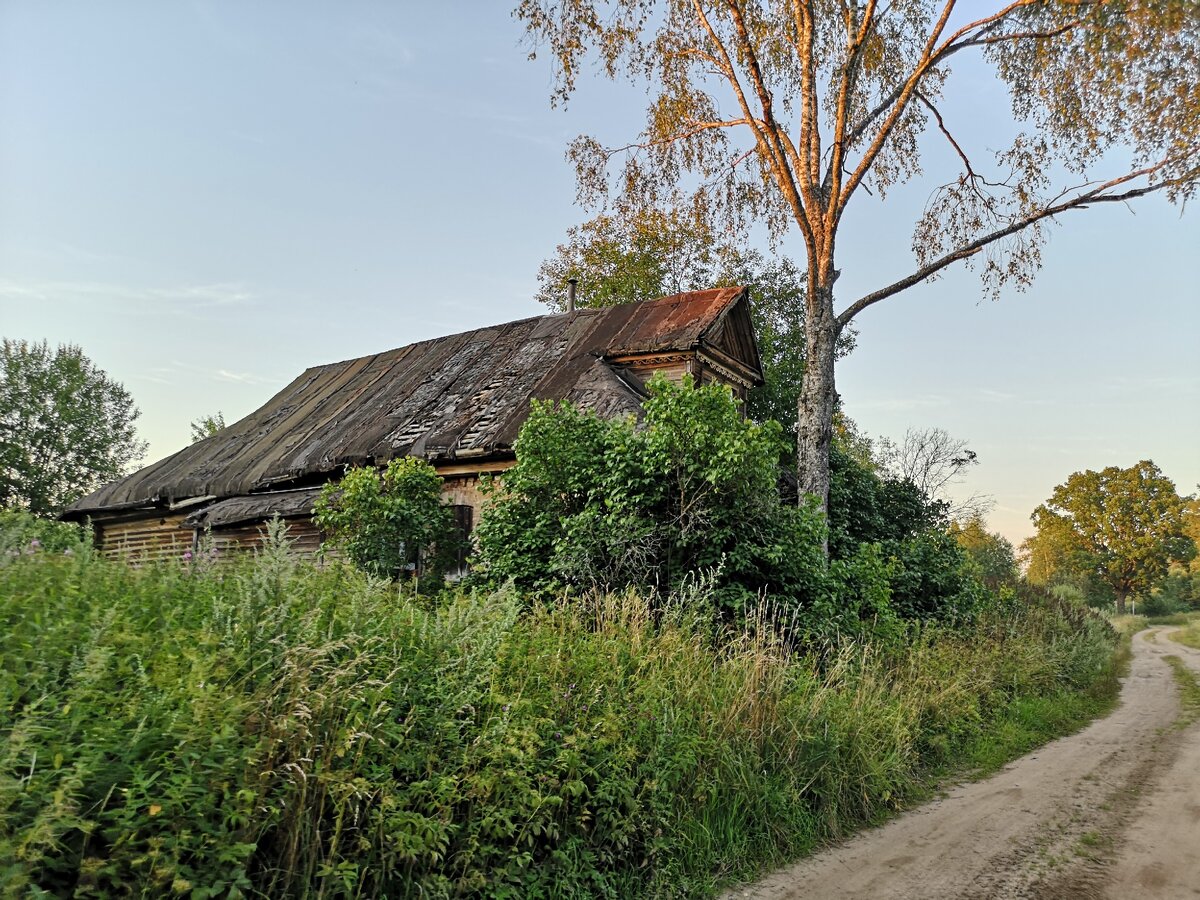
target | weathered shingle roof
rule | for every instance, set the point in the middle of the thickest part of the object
(459, 397)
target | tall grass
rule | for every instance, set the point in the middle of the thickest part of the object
(276, 729)
(1189, 632)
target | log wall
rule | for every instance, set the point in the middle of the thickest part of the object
(154, 538)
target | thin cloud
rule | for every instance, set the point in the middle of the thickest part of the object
(181, 373)
(241, 377)
(924, 401)
(186, 300)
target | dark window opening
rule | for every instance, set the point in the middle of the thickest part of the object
(464, 523)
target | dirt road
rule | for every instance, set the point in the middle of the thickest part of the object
(1113, 811)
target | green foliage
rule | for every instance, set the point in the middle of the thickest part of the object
(992, 555)
(392, 522)
(65, 427)
(928, 574)
(207, 426)
(23, 532)
(268, 728)
(613, 504)
(1119, 527)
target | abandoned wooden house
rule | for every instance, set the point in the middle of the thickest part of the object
(456, 401)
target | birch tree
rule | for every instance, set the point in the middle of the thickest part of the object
(788, 112)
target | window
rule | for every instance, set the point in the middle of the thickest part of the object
(464, 523)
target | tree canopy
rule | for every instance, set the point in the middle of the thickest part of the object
(65, 426)
(785, 112)
(992, 555)
(1119, 527)
(934, 460)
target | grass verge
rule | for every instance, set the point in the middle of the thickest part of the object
(1189, 633)
(276, 729)
(1189, 691)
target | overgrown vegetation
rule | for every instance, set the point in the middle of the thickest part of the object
(270, 726)
(614, 504)
(390, 523)
(693, 491)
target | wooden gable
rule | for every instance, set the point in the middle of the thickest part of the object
(730, 340)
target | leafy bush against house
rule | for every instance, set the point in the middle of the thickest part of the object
(270, 728)
(389, 522)
(611, 504)
(692, 491)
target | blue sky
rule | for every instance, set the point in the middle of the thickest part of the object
(210, 196)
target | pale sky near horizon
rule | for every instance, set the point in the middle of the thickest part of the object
(209, 197)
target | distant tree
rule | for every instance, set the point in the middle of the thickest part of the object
(65, 426)
(786, 115)
(1191, 526)
(991, 554)
(622, 259)
(626, 258)
(1122, 527)
(934, 460)
(207, 426)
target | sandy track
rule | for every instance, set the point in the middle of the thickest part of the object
(1113, 811)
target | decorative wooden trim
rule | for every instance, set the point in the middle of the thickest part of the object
(726, 372)
(651, 360)
(713, 357)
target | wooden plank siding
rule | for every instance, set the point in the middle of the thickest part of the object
(165, 538)
(149, 539)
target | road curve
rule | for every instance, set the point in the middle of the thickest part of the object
(1112, 811)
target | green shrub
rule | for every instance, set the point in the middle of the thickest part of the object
(22, 532)
(390, 523)
(1178, 592)
(595, 504)
(930, 574)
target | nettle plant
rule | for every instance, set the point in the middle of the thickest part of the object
(389, 523)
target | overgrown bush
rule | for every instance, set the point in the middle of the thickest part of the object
(1178, 592)
(23, 532)
(392, 522)
(270, 728)
(691, 489)
(930, 575)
